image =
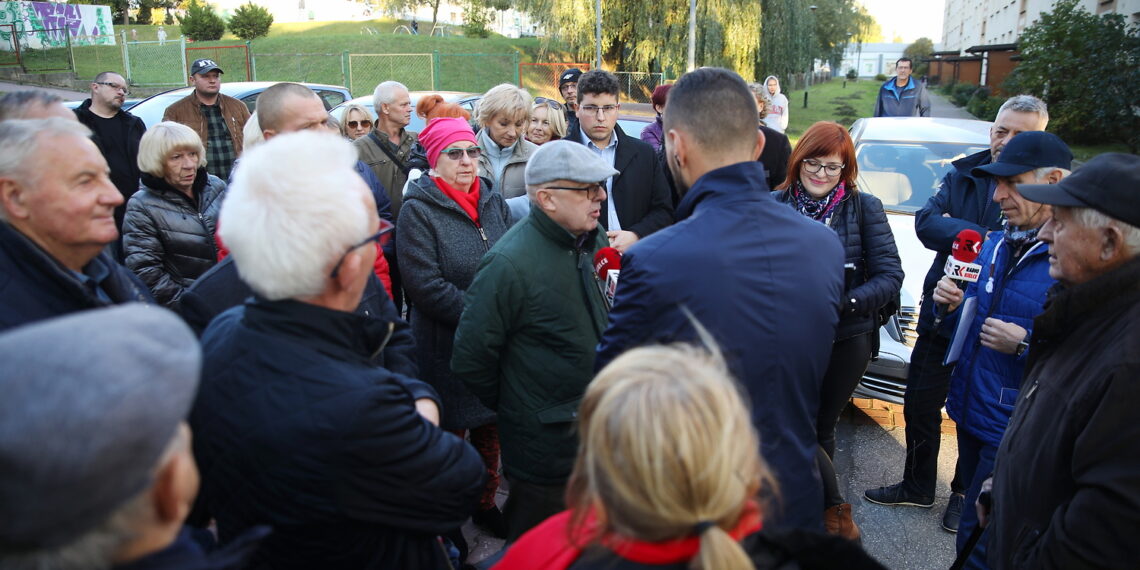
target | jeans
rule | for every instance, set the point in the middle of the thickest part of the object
(849, 358)
(927, 383)
(975, 464)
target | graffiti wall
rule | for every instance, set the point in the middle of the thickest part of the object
(47, 24)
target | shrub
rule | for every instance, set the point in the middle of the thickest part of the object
(201, 23)
(250, 21)
(880, 77)
(478, 18)
(852, 75)
(984, 105)
(960, 94)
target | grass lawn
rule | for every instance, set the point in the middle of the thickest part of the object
(830, 101)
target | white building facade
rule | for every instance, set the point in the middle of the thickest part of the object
(986, 22)
(869, 60)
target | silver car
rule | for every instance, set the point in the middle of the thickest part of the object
(151, 109)
(902, 162)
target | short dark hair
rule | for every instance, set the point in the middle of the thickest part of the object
(906, 59)
(103, 75)
(715, 106)
(597, 82)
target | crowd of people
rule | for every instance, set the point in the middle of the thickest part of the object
(278, 341)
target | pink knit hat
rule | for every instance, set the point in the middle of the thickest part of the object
(442, 132)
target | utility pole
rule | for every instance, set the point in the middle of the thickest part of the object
(692, 35)
(598, 33)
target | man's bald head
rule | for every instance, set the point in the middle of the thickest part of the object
(290, 107)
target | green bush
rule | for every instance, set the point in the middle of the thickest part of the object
(250, 21)
(983, 105)
(880, 77)
(852, 75)
(201, 23)
(961, 93)
(478, 19)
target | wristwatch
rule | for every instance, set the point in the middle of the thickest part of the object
(1023, 346)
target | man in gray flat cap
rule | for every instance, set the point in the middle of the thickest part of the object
(534, 314)
(98, 471)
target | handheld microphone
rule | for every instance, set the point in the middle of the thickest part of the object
(960, 265)
(607, 264)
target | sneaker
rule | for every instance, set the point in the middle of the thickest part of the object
(953, 513)
(895, 495)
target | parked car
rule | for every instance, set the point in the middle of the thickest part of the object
(902, 162)
(151, 109)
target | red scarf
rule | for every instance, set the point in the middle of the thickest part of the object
(469, 201)
(551, 546)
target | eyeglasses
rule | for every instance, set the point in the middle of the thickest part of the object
(363, 124)
(380, 237)
(553, 104)
(592, 191)
(114, 86)
(812, 165)
(605, 109)
(473, 152)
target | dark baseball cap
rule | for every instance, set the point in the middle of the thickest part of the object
(569, 76)
(1029, 151)
(204, 66)
(1109, 183)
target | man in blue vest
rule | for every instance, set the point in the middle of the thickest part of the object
(902, 95)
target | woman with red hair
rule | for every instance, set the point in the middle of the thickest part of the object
(821, 185)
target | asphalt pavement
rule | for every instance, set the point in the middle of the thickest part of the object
(68, 95)
(942, 108)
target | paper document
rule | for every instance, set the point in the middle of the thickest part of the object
(965, 319)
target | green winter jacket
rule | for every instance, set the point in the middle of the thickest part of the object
(525, 344)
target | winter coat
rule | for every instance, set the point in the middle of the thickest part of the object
(125, 178)
(766, 282)
(985, 382)
(873, 271)
(34, 286)
(512, 182)
(525, 343)
(908, 101)
(168, 238)
(654, 134)
(1066, 487)
(777, 117)
(185, 553)
(187, 111)
(777, 151)
(440, 248)
(969, 201)
(295, 428)
(392, 175)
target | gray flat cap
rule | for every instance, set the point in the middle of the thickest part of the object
(566, 160)
(90, 402)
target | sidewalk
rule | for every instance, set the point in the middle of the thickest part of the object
(68, 95)
(942, 108)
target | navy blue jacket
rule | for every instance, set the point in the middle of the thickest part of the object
(985, 383)
(34, 286)
(969, 201)
(766, 282)
(186, 554)
(910, 101)
(295, 428)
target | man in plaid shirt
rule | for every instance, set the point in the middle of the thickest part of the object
(217, 118)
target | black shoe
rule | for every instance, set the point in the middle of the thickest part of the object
(953, 513)
(492, 520)
(895, 495)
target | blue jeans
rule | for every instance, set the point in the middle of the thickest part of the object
(975, 464)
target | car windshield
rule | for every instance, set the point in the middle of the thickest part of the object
(904, 175)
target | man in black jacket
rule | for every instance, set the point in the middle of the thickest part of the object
(295, 426)
(56, 217)
(639, 202)
(116, 133)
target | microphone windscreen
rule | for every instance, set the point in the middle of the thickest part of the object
(967, 245)
(606, 260)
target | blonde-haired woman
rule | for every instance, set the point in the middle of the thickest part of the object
(168, 230)
(357, 122)
(502, 116)
(668, 475)
(547, 123)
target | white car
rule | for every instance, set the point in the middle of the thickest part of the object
(902, 161)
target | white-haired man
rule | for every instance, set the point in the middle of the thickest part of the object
(1066, 485)
(385, 150)
(57, 209)
(295, 426)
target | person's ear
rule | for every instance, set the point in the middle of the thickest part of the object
(351, 268)
(1112, 243)
(545, 199)
(13, 198)
(176, 483)
(676, 148)
(1054, 176)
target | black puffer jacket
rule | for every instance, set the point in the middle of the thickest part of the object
(873, 272)
(168, 237)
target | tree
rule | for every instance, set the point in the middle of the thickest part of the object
(1064, 58)
(917, 52)
(477, 19)
(397, 6)
(250, 21)
(201, 23)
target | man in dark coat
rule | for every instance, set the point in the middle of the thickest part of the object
(1066, 485)
(965, 201)
(56, 217)
(639, 202)
(295, 427)
(764, 280)
(116, 132)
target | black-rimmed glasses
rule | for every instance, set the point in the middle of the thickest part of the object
(380, 237)
(812, 166)
(591, 191)
(473, 152)
(605, 109)
(115, 86)
(553, 104)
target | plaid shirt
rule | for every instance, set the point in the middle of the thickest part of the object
(220, 154)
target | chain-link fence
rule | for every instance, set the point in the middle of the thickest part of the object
(234, 60)
(366, 71)
(9, 49)
(636, 87)
(474, 72)
(541, 79)
(328, 68)
(100, 54)
(156, 64)
(44, 51)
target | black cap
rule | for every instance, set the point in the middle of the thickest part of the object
(1029, 151)
(569, 76)
(204, 66)
(1109, 183)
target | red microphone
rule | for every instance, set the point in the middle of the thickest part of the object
(607, 265)
(960, 266)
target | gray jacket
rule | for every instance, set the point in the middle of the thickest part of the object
(440, 249)
(513, 183)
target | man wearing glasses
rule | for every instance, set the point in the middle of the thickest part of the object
(116, 133)
(534, 315)
(639, 202)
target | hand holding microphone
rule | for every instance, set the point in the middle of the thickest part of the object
(960, 269)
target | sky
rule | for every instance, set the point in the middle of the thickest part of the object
(910, 19)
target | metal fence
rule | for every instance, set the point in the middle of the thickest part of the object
(367, 70)
(234, 60)
(468, 72)
(474, 72)
(636, 87)
(330, 68)
(155, 64)
(9, 49)
(44, 50)
(541, 79)
(101, 53)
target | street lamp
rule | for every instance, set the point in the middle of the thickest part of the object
(811, 60)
